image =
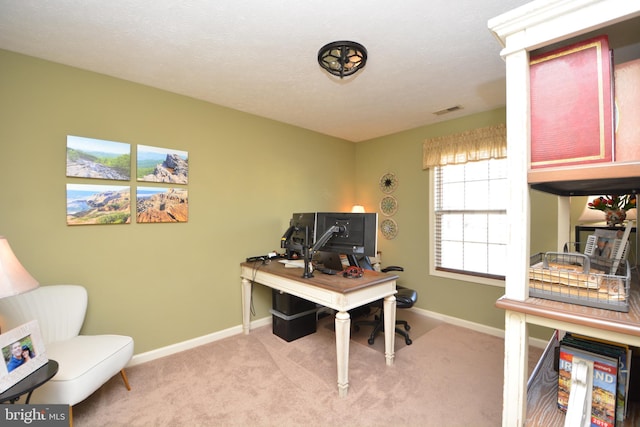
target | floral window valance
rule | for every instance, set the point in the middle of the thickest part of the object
(476, 144)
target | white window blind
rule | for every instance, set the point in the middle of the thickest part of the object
(470, 217)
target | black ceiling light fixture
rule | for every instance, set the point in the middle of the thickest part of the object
(342, 58)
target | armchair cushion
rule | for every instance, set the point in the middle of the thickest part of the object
(85, 361)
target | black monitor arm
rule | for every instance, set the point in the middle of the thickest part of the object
(332, 231)
(286, 236)
(308, 252)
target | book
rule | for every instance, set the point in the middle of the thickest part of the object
(572, 105)
(603, 388)
(621, 352)
(627, 95)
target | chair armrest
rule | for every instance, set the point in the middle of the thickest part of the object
(392, 268)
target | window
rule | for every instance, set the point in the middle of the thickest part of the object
(470, 218)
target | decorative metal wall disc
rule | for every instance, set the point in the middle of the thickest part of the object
(389, 228)
(388, 183)
(388, 205)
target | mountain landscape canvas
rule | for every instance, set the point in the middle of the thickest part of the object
(96, 158)
(156, 204)
(155, 164)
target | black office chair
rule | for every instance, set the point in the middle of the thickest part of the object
(405, 298)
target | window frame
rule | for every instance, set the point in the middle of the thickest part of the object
(477, 278)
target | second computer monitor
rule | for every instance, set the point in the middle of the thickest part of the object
(356, 234)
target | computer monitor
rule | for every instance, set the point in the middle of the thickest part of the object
(352, 234)
(301, 233)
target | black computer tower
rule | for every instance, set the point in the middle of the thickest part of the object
(292, 317)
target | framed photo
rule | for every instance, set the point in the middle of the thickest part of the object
(608, 242)
(23, 352)
(96, 158)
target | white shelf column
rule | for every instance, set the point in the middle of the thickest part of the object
(518, 213)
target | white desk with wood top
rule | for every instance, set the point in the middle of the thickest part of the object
(333, 291)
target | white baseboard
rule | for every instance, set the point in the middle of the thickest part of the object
(235, 330)
(535, 342)
(192, 343)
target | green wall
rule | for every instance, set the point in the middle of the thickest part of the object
(401, 153)
(167, 283)
(160, 283)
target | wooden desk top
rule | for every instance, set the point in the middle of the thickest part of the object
(336, 283)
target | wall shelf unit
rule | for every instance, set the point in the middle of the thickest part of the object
(586, 180)
(535, 27)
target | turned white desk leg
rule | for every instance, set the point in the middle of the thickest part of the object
(389, 328)
(343, 328)
(246, 306)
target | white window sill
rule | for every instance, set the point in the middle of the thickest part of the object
(467, 278)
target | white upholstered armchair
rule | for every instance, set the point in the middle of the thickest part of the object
(86, 362)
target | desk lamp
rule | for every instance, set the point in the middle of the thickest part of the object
(14, 278)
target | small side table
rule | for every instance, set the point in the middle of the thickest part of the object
(30, 382)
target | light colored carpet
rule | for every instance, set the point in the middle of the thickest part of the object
(450, 376)
(419, 325)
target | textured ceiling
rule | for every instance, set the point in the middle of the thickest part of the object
(260, 56)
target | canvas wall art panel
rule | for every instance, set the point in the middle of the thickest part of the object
(160, 204)
(155, 164)
(98, 204)
(96, 158)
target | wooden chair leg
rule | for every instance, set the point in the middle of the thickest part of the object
(70, 416)
(124, 378)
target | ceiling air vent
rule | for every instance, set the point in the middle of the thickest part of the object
(448, 110)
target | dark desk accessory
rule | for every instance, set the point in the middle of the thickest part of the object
(327, 271)
(353, 272)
